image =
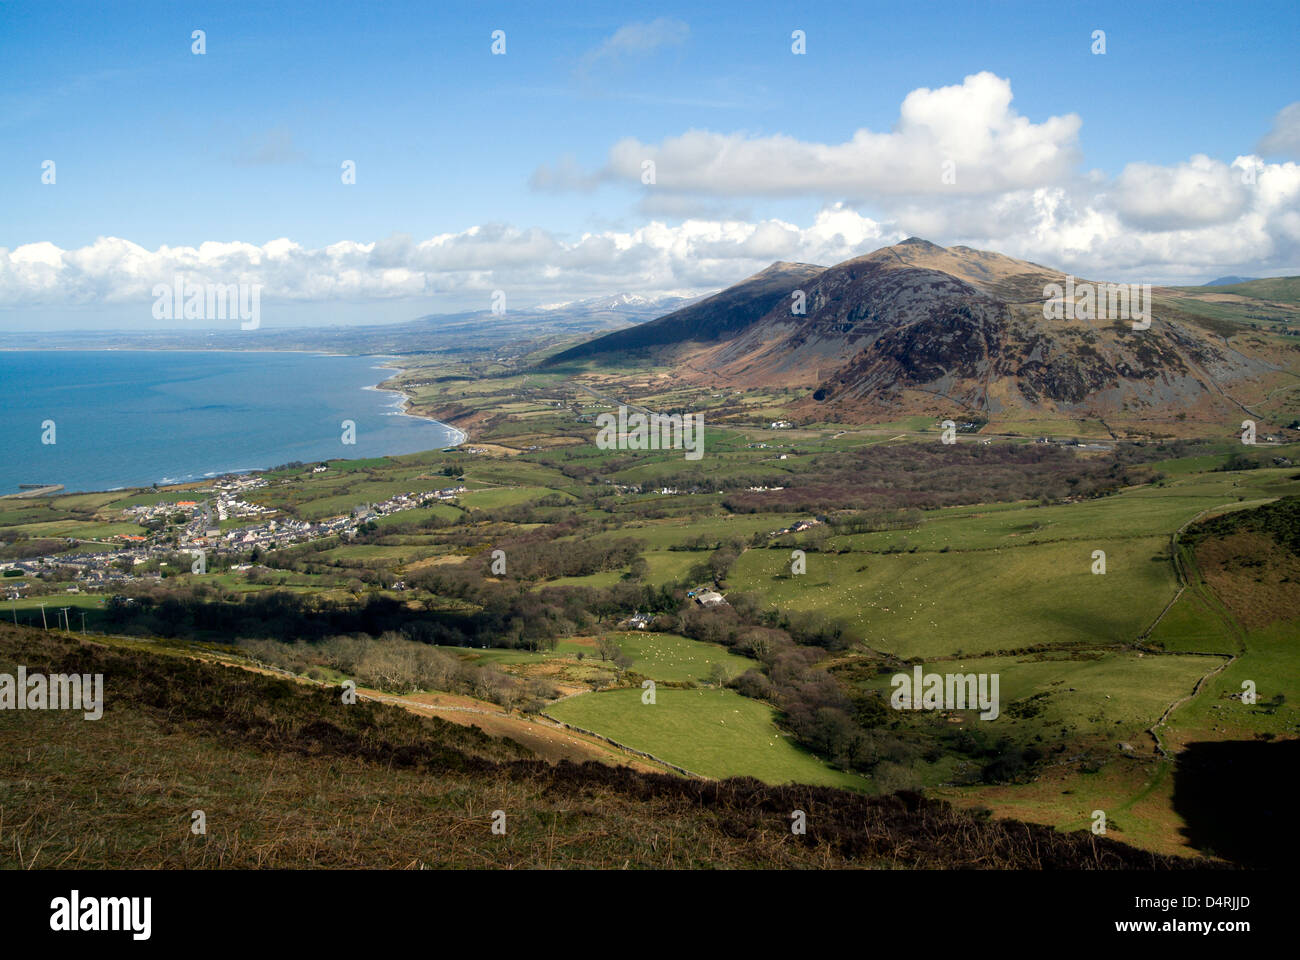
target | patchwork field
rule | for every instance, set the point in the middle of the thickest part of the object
(979, 560)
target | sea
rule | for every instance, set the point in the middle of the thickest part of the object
(107, 419)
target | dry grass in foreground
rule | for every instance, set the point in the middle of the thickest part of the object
(288, 776)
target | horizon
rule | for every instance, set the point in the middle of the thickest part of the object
(674, 297)
(290, 162)
(751, 438)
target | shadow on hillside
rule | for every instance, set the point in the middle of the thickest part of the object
(1236, 799)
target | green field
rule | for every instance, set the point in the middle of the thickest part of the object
(928, 604)
(709, 731)
(1270, 661)
(1110, 695)
(668, 658)
(27, 610)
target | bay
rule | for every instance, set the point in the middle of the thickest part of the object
(132, 418)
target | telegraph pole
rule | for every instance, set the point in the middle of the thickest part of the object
(83, 623)
(43, 622)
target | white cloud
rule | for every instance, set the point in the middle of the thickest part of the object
(1193, 194)
(1284, 139)
(1081, 228)
(532, 265)
(1086, 226)
(1018, 191)
(971, 125)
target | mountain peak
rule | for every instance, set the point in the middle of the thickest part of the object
(785, 266)
(918, 242)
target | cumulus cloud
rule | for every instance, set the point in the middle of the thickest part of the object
(1079, 227)
(533, 264)
(969, 130)
(1198, 193)
(1017, 191)
(1158, 225)
(1284, 139)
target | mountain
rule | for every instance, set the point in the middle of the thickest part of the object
(1268, 291)
(707, 320)
(1227, 281)
(916, 328)
(432, 332)
(625, 303)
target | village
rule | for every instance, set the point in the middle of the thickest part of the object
(199, 529)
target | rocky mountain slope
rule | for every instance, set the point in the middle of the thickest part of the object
(916, 328)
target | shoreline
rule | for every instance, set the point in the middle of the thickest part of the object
(406, 398)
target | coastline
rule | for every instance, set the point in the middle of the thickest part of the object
(406, 398)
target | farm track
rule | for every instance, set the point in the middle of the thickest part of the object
(537, 734)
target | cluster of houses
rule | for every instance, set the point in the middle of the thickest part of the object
(225, 504)
(635, 488)
(99, 568)
(278, 533)
(201, 532)
(409, 501)
(799, 527)
(1071, 442)
(704, 596)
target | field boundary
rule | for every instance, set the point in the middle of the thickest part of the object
(1229, 659)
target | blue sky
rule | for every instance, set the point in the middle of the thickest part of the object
(164, 149)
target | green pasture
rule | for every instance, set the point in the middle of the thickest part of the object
(928, 603)
(708, 730)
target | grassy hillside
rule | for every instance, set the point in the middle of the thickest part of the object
(288, 776)
(1285, 289)
(713, 732)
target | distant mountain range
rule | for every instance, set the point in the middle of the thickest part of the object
(625, 304)
(916, 328)
(446, 332)
(909, 329)
(1226, 281)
